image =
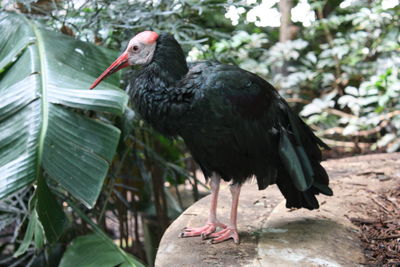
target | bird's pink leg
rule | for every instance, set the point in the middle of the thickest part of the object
(231, 230)
(212, 222)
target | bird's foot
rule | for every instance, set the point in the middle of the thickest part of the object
(204, 231)
(225, 234)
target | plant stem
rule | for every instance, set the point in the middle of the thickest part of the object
(112, 182)
(329, 39)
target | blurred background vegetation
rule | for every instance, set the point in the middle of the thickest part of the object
(336, 62)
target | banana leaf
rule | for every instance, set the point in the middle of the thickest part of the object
(96, 250)
(44, 81)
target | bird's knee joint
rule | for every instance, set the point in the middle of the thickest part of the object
(234, 188)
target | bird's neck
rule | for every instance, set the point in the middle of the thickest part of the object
(156, 86)
(169, 61)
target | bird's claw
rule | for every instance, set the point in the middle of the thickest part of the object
(204, 231)
(223, 235)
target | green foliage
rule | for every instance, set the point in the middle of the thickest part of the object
(344, 67)
(46, 137)
(365, 83)
(113, 23)
(96, 251)
(33, 231)
(50, 212)
(243, 49)
(38, 133)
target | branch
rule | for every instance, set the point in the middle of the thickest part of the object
(340, 130)
(335, 143)
(298, 100)
(340, 113)
(384, 121)
(389, 115)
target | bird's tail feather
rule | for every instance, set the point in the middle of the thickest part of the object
(300, 176)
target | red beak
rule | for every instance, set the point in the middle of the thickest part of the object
(119, 63)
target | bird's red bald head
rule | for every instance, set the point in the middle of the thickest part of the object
(146, 37)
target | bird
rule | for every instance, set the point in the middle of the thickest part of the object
(234, 123)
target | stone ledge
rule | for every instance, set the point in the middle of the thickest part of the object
(271, 235)
(254, 208)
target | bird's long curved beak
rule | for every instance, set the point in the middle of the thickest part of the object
(119, 63)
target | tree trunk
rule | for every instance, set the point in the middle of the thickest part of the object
(285, 31)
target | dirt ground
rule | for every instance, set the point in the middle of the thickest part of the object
(378, 218)
(380, 228)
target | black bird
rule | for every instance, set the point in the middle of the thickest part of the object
(235, 124)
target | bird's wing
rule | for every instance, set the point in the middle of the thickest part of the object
(244, 105)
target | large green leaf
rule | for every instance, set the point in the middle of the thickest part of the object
(34, 231)
(50, 212)
(96, 250)
(42, 76)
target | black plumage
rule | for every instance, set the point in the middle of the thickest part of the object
(233, 122)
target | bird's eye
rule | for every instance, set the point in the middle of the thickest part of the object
(135, 48)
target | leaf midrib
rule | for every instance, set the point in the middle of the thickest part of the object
(43, 93)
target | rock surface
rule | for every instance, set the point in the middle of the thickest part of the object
(272, 235)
